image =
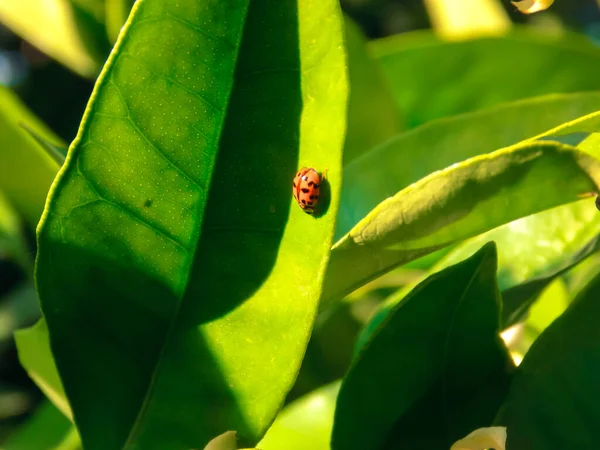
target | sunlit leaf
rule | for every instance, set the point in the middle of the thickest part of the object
(152, 307)
(304, 424)
(483, 439)
(532, 252)
(401, 164)
(456, 203)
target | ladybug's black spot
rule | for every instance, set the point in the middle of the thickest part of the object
(298, 174)
(316, 185)
(304, 190)
(294, 183)
(314, 197)
(309, 203)
(304, 202)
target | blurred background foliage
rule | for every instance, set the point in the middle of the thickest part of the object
(48, 65)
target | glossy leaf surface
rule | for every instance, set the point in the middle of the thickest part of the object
(410, 156)
(152, 337)
(434, 371)
(476, 74)
(456, 203)
(557, 383)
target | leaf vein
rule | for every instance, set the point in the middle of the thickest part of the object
(152, 145)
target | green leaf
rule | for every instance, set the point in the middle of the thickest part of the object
(165, 304)
(61, 29)
(549, 305)
(434, 371)
(116, 14)
(405, 159)
(304, 424)
(57, 153)
(12, 240)
(26, 171)
(36, 358)
(455, 19)
(557, 383)
(532, 252)
(372, 114)
(456, 203)
(47, 428)
(476, 74)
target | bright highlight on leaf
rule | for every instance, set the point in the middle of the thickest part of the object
(482, 439)
(225, 441)
(532, 6)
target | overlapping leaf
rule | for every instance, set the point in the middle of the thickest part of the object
(408, 207)
(476, 73)
(26, 171)
(557, 383)
(434, 371)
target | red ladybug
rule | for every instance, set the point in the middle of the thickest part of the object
(306, 188)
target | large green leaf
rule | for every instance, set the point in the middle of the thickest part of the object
(61, 28)
(532, 252)
(408, 157)
(304, 424)
(434, 371)
(554, 398)
(26, 171)
(372, 114)
(165, 305)
(456, 203)
(431, 78)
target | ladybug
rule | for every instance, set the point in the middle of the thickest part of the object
(306, 187)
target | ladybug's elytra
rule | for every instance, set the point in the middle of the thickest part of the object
(306, 188)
